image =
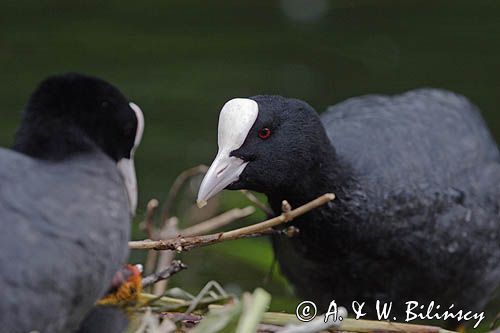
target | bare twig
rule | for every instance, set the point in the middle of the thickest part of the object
(263, 206)
(176, 187)
(285, 207)
(147, 224)
(150, 322)
(150, 262)
(218, 221)
(187, 243)
(169, 230)
(495, 321)
(175, 267)
(264, 328)
(148, 227)
(165, 303)
(186, 318)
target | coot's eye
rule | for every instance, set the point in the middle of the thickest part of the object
(104, 104)
(264, 133)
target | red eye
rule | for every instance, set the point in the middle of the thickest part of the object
(264, 133)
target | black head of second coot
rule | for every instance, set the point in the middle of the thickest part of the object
(73, 113)
(415, 215)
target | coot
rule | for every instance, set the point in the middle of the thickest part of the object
(417, 181)
(67, 191)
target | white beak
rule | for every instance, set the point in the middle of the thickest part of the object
(223, 171)
(126, 166)
(235, 121)
(127, 170)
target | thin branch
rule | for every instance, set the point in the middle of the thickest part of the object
(148, 227)
(169, 230)
(218, 221)
(175, 267)
(189, 318)
(147, 224)
(494, 323)
(285, 207)
(151, 261)
(263, 206)
(164, 303)
(264, 328)
(187, 243)
(176, 187)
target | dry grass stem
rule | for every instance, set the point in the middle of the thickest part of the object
(218, 221)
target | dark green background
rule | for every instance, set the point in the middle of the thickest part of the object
(181, 60)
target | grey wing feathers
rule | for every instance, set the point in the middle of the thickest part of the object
(422, 136)
(64, 233)
(431, 172)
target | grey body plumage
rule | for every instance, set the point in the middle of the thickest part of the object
(64, 236)
(417, 215)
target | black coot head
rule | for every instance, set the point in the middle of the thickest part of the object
(265, 144)
(73, 113)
